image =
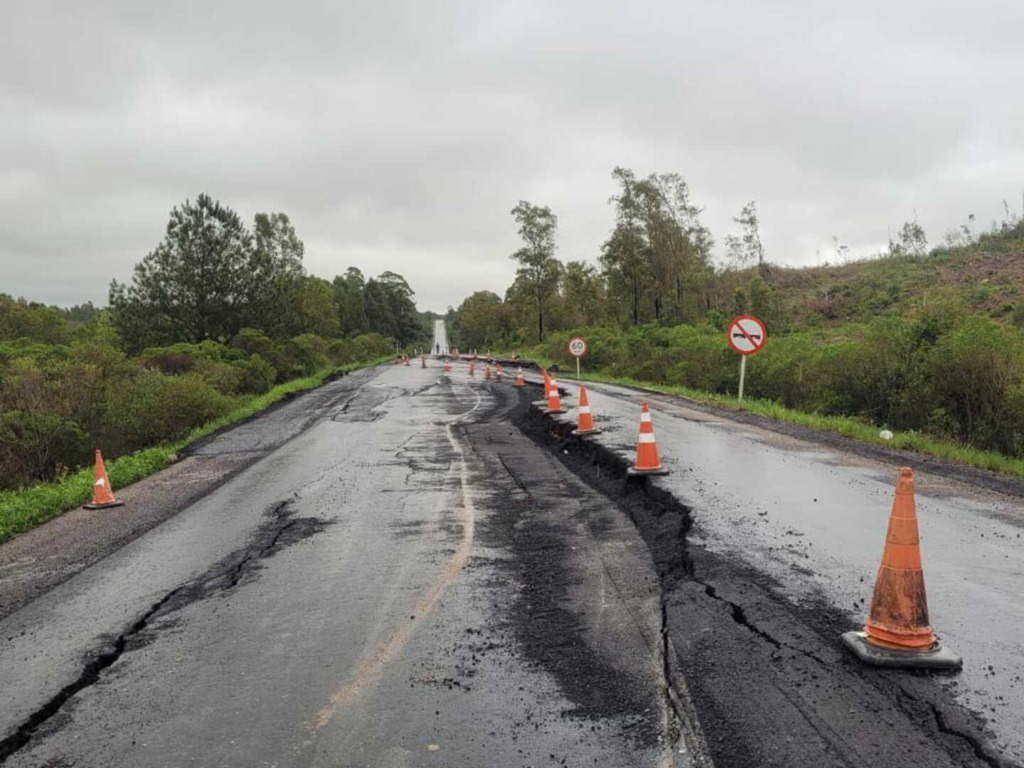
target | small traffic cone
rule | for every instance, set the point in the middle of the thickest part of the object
(472, 368)
(554, 399)
(447, 366)
(520, 381)
(497, 372)
(487, 372)
(586, 421)
(406, 359)
(423, 361)
(897, 632)
(647, 461)
(102, 493)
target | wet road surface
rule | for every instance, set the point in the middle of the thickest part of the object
(785, 542)
(407, 580)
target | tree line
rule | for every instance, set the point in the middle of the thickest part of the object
(211, 276)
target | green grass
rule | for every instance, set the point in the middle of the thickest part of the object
(856, 429)
(23, 509)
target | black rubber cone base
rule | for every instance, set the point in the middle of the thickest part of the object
(557, 410)
(584, 432)
(634, 472)
(938, 657)
(114, 503)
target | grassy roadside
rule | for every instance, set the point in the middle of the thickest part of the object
(24, 509)
(848, 426)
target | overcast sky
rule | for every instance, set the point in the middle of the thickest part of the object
(398, 135)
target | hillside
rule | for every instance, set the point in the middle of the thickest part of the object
(987, 276)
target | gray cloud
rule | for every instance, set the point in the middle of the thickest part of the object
(398, 135)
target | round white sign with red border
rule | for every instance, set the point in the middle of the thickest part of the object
(577, 347)
(746, 335)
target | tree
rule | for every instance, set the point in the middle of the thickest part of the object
(277, 276)
(583, 294)
(622, 255)
(746, 248)
(390, 309)
(195, 285)
(538, 271)
(349, 299)
(913, 239)
(478, 322)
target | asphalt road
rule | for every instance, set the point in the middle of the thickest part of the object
(785, 542)
(409, 568)
(403, 579)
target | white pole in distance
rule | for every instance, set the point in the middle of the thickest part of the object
(743, 375)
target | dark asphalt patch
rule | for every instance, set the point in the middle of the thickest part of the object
(770, 680)
(548, 629)
(280, 530)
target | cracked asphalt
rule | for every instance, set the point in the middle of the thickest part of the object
(403, 578)
(409, 569)
(782, 541)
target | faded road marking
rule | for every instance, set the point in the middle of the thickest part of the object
(371, 667)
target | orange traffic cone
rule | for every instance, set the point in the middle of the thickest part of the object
(897, 632)
(447, 366)
(423, 361)
(406, 359)
(586, 421)
(497, 372)
(487, 372)
(647, 461)
(102, 493)
(547, 389)
(520, 382)
(472, 368)
(554, 399)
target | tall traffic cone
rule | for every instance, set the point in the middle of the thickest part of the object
(472, 368)
(520, 381)
(897, 632)
(547, 389)
(423, 361)
(102, 493)
(554, 399)
(585, 425)
(487, 372)
(647, 461)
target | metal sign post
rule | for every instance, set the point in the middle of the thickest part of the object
(746, 335)
(577, 348)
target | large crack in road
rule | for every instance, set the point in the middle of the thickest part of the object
(776, 689)
(280, 530)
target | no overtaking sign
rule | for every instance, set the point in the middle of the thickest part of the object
(746, 335)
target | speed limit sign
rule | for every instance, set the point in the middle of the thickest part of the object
(577, 348)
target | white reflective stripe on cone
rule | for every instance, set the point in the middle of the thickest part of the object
(645, 417)
(646, 437)
(584, 409)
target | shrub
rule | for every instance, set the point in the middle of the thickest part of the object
(257, 376)
(151, 407)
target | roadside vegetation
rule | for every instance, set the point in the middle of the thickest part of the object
(925, 342)
(217, 323)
